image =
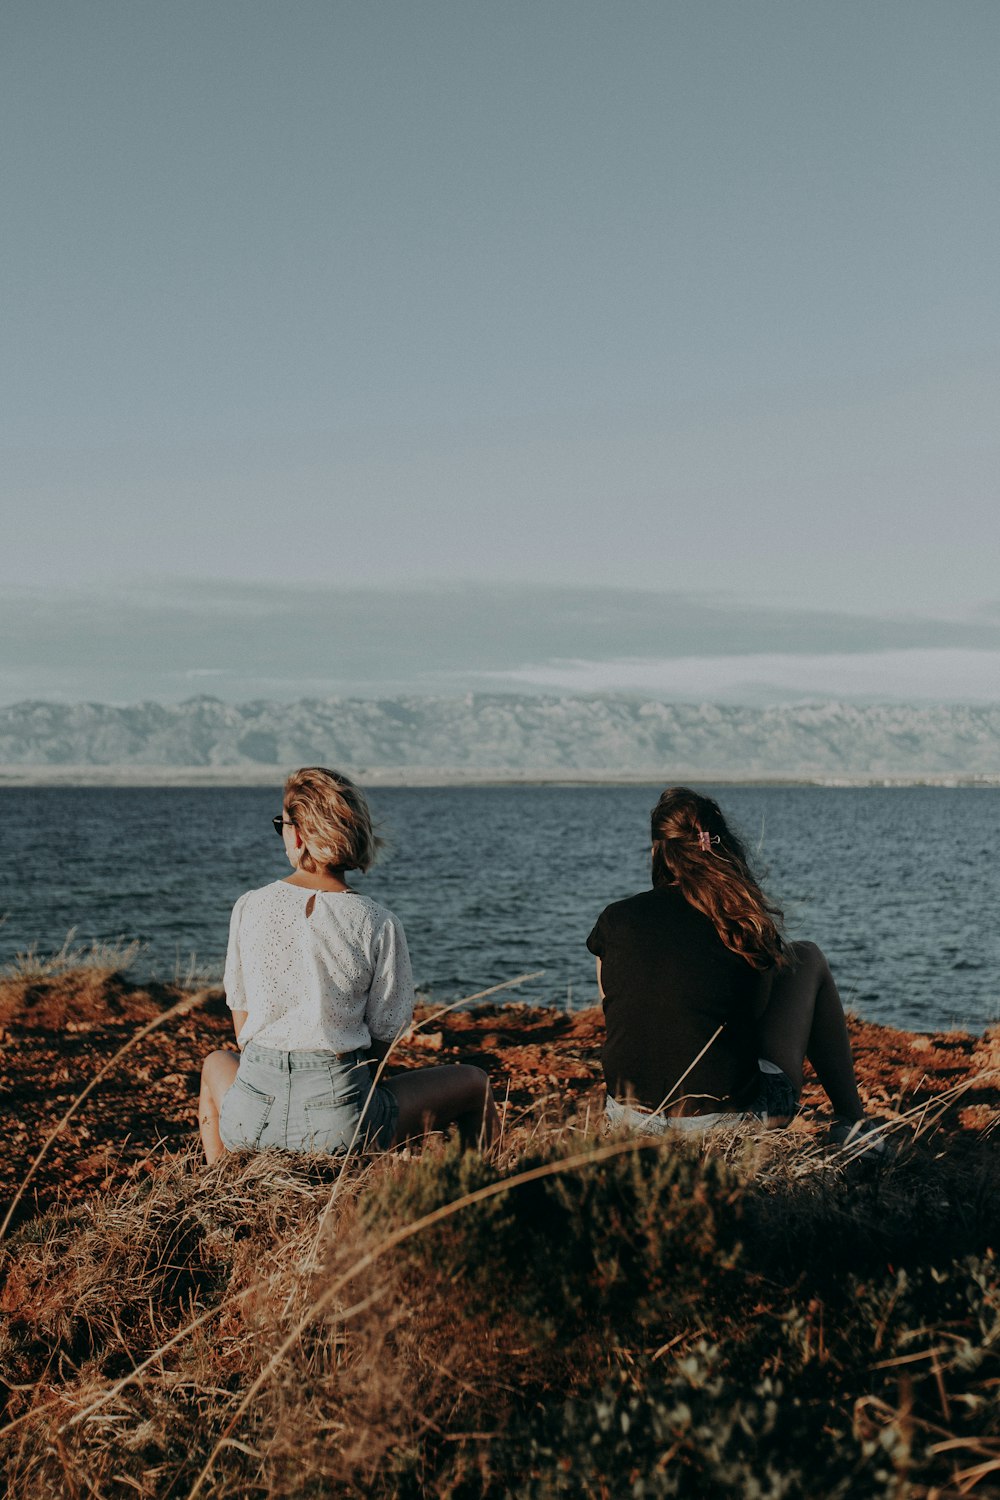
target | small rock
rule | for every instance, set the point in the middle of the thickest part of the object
(433, 1040)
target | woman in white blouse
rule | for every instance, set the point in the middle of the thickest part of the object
(319, 982)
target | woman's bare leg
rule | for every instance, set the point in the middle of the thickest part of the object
(457, 1093)
(217, 1074)
(805, 1018)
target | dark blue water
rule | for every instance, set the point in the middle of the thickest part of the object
(899, 885)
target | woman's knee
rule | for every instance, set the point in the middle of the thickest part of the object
(218, 1071)
(466, 1089)
(475, 1082)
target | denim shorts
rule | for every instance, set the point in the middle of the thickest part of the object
(775, 1099)
(636, 1117)
(306, 1101)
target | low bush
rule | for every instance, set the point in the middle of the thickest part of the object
(660, 1319)
(608, 1246)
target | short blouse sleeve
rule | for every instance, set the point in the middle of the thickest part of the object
(236, 995)
(390, 1000)
(597, 940)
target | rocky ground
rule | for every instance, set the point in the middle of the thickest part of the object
(58, 1031)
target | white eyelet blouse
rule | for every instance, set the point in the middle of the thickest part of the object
(323, 975)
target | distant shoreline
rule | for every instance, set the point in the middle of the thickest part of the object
(430, 776)
(499, 740)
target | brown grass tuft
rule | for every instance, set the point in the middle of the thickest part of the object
(584, 1316)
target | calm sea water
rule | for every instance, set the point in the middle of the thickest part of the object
(900, 886)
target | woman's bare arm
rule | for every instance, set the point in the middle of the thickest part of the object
(600, 987)
(239, 1020)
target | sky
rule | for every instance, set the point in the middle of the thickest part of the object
(545, 345)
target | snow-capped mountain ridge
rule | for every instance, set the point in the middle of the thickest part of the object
(506, 732)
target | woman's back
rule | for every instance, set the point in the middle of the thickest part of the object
(670, 983)
(317, 969)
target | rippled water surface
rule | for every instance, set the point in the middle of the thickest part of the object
(899, 885)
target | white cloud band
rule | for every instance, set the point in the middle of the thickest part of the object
(950, 675)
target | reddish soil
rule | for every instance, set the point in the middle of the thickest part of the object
(57, 1033)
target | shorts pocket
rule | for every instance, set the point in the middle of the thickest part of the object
(328, 1124)
(244, 1114)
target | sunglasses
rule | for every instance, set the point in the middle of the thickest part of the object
(279, 822)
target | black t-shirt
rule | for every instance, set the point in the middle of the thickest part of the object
(670, 983)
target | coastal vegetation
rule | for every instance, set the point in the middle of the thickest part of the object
(582, 1315)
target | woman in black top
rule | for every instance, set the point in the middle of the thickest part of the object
(710, 1011)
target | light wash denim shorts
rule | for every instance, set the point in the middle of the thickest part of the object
(306, 1101)
(645, 1122)
(775, 1101)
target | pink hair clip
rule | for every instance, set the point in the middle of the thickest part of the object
(706, 840)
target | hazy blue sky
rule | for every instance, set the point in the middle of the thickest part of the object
(691, 297)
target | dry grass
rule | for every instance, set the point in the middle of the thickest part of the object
(584, 1315)
(183, 1007)
(102, 958)
(417, 1324)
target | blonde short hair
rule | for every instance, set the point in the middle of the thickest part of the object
(333, 819)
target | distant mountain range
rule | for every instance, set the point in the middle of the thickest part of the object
(509, 735)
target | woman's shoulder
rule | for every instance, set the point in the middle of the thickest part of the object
(262, 900)
(258, 894)
(367, 921)
(380, 916)
(623, 918)
(631, 908)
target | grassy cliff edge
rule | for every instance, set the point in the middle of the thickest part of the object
(585, 1315)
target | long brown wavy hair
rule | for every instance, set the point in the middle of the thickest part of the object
(695, 850)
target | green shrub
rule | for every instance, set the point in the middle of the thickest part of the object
(690, 1432)
(616, 1242)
